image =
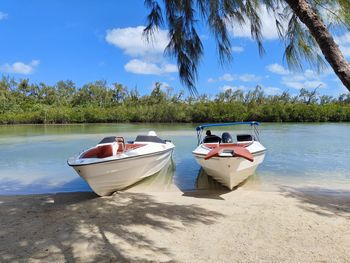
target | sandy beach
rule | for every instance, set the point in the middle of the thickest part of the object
(246, 225)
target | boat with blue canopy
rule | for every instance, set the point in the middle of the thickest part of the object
(229, 159)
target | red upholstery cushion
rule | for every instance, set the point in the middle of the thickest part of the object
(102, 151)
(105, 151)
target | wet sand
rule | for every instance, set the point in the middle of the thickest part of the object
(246, 225)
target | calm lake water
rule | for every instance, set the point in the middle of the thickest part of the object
(33, 157)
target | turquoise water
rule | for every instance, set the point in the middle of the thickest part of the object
(33, 157)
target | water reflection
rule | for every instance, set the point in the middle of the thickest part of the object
(205, 182)
(33, 157)
(164, 181)
(161, 181)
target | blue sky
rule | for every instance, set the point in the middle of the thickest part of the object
(84, 41)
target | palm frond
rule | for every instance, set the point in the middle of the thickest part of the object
(186, 47)
(154, 19)
(301, 46)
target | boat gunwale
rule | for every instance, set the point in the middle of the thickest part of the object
(122, 159)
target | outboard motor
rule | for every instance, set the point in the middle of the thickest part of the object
(226, 138)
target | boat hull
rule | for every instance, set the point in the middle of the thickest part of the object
(107, 177)
(232, 170)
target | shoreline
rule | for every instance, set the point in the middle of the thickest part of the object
(161, 123)
(245, 225)
(163, 184)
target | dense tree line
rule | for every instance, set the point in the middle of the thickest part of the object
(25, 102)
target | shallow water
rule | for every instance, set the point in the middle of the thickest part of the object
(33, 157)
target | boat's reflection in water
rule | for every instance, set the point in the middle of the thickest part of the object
(161, 181)
(206, 182)
(164, 181)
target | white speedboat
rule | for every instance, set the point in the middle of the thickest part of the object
(227, 161)
(114, 165)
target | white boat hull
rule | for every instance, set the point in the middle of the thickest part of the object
(230, 171)
(107, 177)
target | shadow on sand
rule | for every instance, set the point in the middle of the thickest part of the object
(322, 201)
(79, 227)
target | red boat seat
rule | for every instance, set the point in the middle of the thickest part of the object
(110, 149)
(105, 151)
(102, 151)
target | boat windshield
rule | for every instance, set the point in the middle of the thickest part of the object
(147, 138)
(227, 136)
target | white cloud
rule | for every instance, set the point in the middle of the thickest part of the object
(237, 49)
(3, 16)
(249, 78)
(345, 50)
(344, 39)
(267, 90)
(226, 87)
(20, 67)
(303, 83)
(310, 74)
(344, 43)
(165, 86)
(314, 84)
(148, 55)
(269, 28)
(293, 84)
(227, 77)
(272, 90)
(132, 42)
(137, 66)
(277, 69)
(229, 87)
(169, 68)
(295, 77)
(308, 79)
